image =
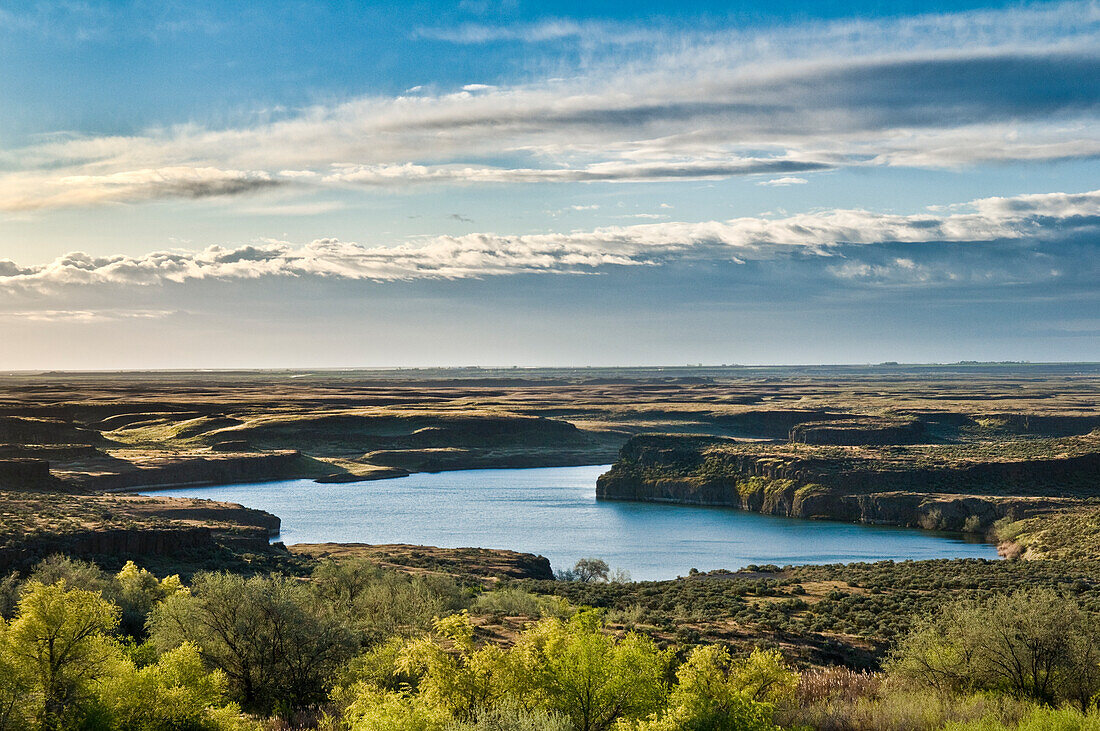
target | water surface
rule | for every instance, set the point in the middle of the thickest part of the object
(553, 511)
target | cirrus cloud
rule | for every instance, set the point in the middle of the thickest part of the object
(936, 91)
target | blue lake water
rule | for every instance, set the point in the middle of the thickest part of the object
(554, 512)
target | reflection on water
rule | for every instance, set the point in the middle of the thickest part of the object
(553, 511)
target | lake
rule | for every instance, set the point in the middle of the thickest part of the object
(553, 511)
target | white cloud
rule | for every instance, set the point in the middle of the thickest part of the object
(1018, 84)
(542, 32)
(653, 244)
(781, 182)
(409, 173)
(85, 316)
(33, 191)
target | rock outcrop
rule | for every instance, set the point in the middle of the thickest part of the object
(207, 469)
(772, 479)
(487, 565)
(849, 432)
(25, 474)
(120, 542)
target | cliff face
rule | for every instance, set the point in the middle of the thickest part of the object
(125, 543)
(689, 470)
(35, 525)
(25, 474)
(788, 498)
(207, 469)
(859, 431)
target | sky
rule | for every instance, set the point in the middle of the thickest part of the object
(517, 183)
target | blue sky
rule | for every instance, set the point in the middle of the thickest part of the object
(214, 184)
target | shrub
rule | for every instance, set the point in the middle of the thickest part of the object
(557, 670)
(378, 710)
(1038, 719)
(1034, 644)
(594, 680)
(509, 715)
(176, 692)
(379, 604)
(276, 645)
(714, 691)
(510, 602)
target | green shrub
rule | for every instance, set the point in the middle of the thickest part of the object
(1035, 644)
(508, 602)
(276, 644)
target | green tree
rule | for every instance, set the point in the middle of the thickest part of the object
(591, 569)
(176, 692)
(137, 591)
(453, 672)
(381, 710)
(1035, 644)
(61, 636)
(591, 678)
(714, 692)
(75, 573)
(17, 686)
(381, 604)
(278, 646)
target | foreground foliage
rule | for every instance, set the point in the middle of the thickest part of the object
(355, 648)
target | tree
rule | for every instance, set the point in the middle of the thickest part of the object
(278, 646)
(17, 684)
(60, 635)
(575, 669)
(137, 591)
(380, 604)
(75, 573)
(453, 673)
(714, 692)
(380, 710)
(763, 676)
(176, 692)
(558, 672)
(1035, 644)
(590, 569)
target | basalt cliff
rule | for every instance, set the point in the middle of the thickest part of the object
(955, 487)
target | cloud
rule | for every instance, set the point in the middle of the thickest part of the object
(935, 91)
(545, 31)
(316, 208)
(781, 182)
(408, 173)
(85, 316)
(829, 236)
(37, 191)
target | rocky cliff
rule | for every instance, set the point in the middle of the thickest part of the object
(850, 485)
(202, 469)
(123, 543)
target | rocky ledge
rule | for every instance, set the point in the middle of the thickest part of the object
(947, 488)
(485, 565)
